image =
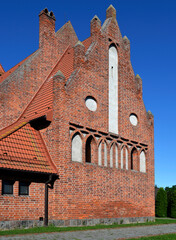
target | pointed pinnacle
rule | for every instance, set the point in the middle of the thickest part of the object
(96, 18)
(125, 38)
(59, 73)
(111, 6)
(79, 43)
(110, 12)
(137, 76)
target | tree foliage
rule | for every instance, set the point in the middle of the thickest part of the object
(161, 203)
(171, 200)
(173, 204)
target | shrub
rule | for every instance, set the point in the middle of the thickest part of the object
(161, 203)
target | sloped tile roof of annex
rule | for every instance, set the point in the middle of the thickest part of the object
(25, 150)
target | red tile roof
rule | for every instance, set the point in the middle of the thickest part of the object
(65, 65)
(24, 149)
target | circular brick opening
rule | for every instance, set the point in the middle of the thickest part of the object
(133, 119)
(91, 103)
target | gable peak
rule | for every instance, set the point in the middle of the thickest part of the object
(111, 12)
(96, 18)
(137, 76)
(125, 38)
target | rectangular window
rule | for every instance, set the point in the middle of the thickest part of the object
(23, 188)
(7, 187)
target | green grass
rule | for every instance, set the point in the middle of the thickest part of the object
(66, 229)
(160, 237)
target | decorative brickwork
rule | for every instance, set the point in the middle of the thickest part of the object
(63, 95)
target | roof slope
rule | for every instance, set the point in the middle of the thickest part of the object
(24, 149)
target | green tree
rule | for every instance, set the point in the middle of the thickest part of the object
(161, 203)
(170, 191)
(173, 204)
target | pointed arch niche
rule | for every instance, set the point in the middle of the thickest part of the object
(113, 89)
(91, 150)
(77, 148)
(114, 155)
(124, 158)
(100, 154)
(142, 162)
(134, 160)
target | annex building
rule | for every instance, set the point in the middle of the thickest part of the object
(76, 142)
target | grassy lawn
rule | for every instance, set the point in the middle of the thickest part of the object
(161, 237)
(64, 229)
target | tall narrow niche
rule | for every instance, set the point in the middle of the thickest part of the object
(113, 90)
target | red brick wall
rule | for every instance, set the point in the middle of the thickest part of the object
(22, 207)
(86, 190)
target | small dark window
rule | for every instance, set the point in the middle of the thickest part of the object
(7, 187)
(23, 188)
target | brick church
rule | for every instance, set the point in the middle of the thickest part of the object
(76, 142)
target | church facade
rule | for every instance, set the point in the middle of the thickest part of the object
(76, 142)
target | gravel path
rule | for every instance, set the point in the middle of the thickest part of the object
(103, 234)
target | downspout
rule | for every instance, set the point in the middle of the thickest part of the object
(46, 205)
(48, 184)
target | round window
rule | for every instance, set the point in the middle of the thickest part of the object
(133, 119)
(91, 103)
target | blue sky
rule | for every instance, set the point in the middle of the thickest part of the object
(151, 27)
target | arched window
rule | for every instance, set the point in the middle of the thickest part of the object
(77, 148)
(134, 159)
(100, 154)
(113, 89)
(105, 155)
(124, 157)
(91, 150)
(142, 162)
(114, 155)
(111, 155)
